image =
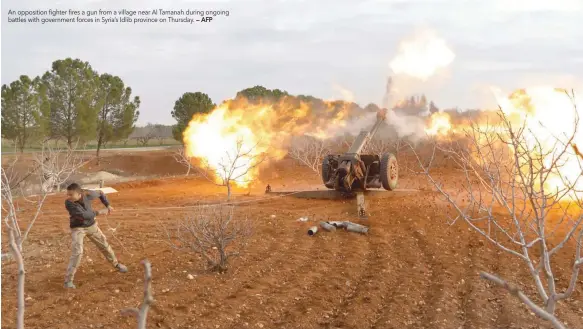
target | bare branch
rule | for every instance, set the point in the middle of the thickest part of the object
(514, 181)
(57, 166)
(515, 291)
(181, 157)
(130, 312)
(577, 264)
(145, 134)
(53, 167)
(141, 314)
(113, 231)
(380, 146)
(234, 167)
(211, 232)
(309, 151)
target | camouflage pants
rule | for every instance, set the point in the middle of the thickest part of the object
(97, 237)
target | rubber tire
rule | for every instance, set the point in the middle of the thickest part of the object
(387, 160)
(326, 171)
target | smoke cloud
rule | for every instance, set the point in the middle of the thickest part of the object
(351, 126)
(421, 55)
(419, 58)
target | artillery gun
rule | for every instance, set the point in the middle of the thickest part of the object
(354, 172)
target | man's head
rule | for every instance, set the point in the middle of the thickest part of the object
(74, 192)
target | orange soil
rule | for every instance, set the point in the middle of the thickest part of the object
(411, 271)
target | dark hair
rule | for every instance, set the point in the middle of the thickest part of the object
(74, 187)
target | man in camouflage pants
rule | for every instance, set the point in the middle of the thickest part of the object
(82, 223)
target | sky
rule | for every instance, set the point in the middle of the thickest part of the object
(315, 47)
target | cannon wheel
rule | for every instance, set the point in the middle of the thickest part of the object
(389, 171)
(326, 171)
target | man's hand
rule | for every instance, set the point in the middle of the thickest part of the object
(106, 211)
(102, 212)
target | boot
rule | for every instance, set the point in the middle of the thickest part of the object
(121, 268)
(70, 285)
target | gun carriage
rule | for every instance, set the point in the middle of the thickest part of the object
(355, 172)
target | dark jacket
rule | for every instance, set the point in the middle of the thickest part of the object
(81, 213)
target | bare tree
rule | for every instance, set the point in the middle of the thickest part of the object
(145, 139)
(13, 178)
(509, 169)
(398, 144)
(161, 132)
(9, 210)
(211, 232)
(141, 313)
(181, 157)
(309, 151)
(345, 142)
(53, 167)
(57, 165)
(234, 166)
(145, 134)
(378, 146)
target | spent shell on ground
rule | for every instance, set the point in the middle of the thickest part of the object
(327, 226)
(357, 228)
(338, 224)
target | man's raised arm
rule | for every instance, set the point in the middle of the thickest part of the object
(91, 195)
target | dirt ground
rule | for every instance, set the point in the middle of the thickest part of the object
(411, 271)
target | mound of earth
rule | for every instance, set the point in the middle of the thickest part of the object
(99, 176)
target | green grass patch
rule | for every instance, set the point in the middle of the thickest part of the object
(8, 147)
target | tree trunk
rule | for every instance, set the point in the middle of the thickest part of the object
(228, 191)
(99, 142)
(20, 144)
(23, 139)
(188, 171)
(17, 254)
(223, 260)
(551, 306)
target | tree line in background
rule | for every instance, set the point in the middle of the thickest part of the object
(192, 103)
(74, 103)
(71, 102)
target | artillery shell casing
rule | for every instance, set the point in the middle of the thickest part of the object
(313, 230)
(327, 226)
(338, 224)
(356, 228)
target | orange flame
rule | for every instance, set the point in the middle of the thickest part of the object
(550, 116)
(439, 124)
(263, 128)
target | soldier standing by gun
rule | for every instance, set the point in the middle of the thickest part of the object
(82, 223)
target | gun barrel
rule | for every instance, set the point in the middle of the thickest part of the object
(376, 127)
(364, 135)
